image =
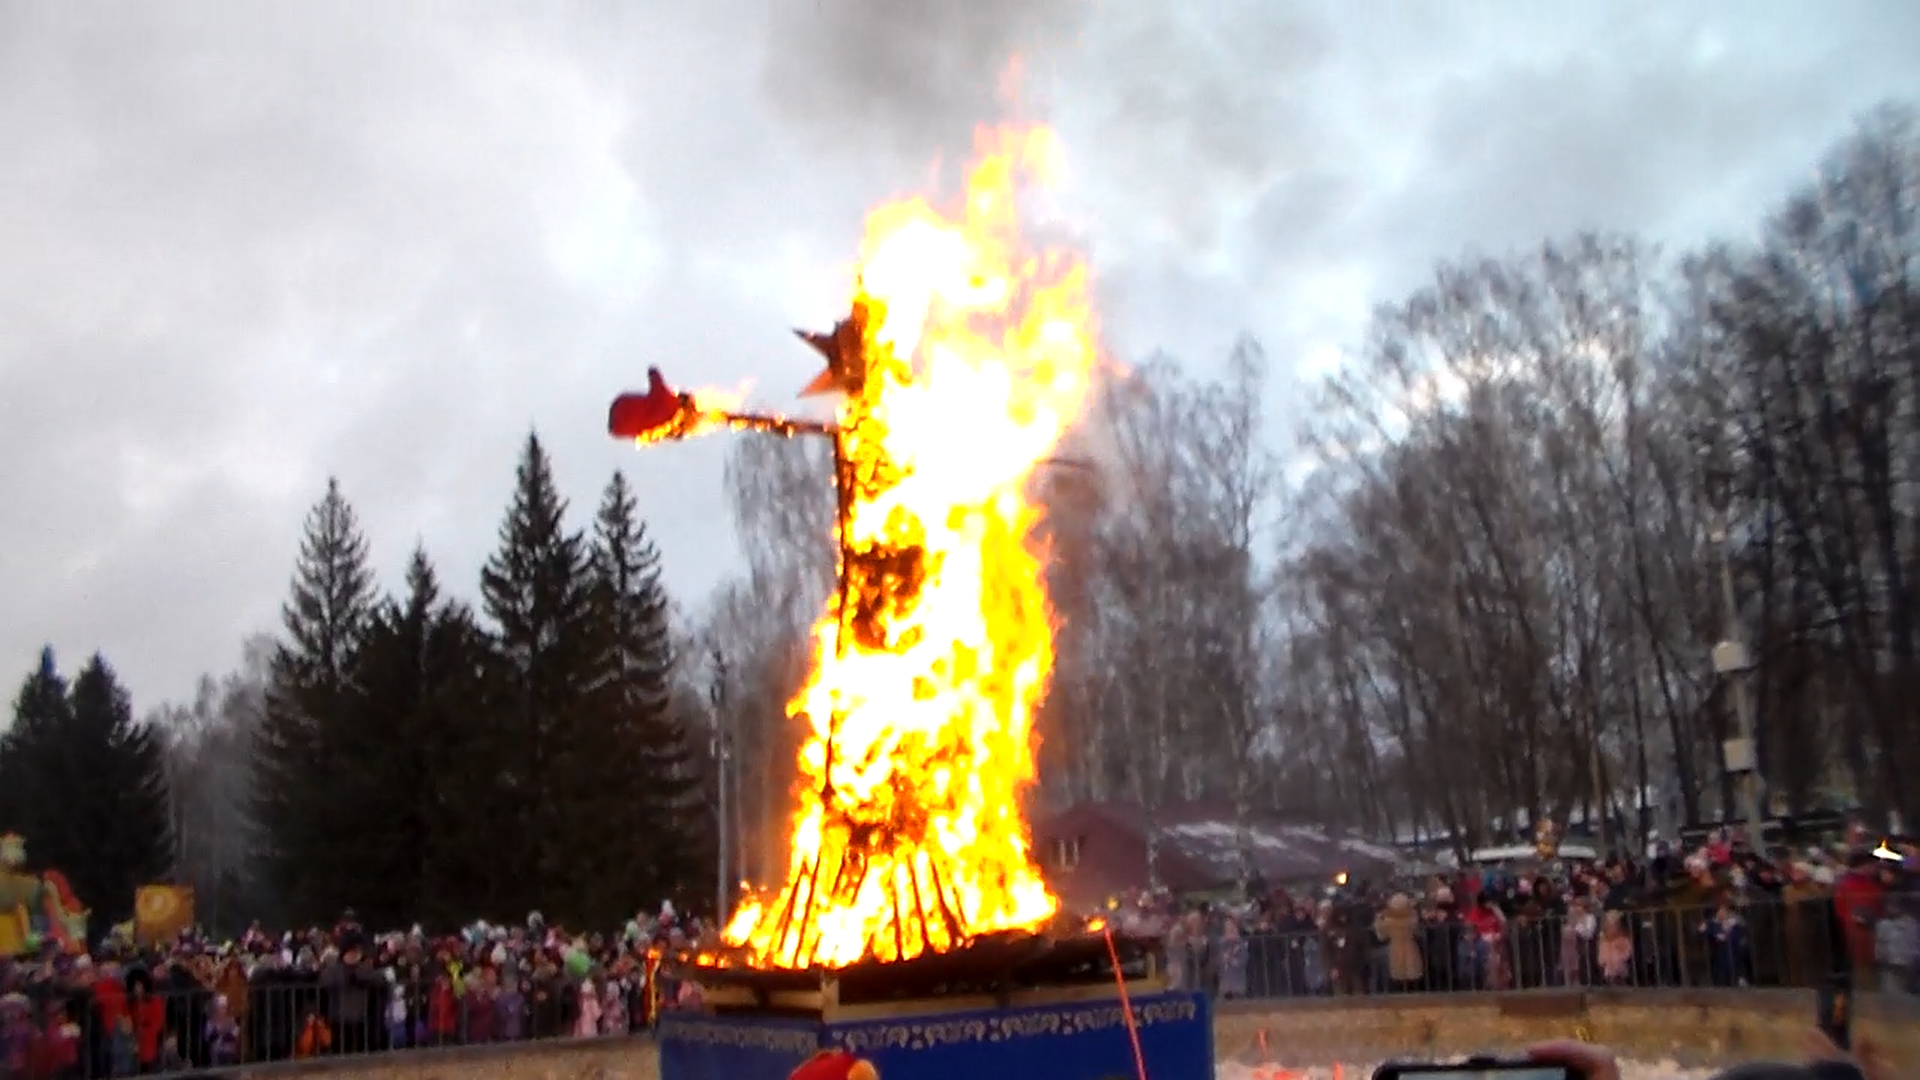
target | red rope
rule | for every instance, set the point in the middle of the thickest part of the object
(1126, 1007)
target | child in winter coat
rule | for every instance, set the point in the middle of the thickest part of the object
(171, 1059)
(223, 1034)
(443, 1012)
(316, 1038)
(1233, 961)
(510, 1012)
(613, 1008)
(478, 1007)
(149, 1015)
(121, 1049)
(1616, 950)
(56, 1053)
(1726, 935)
(1896, 945)
(1577, 943)
(587, 1023)
(396, 1012)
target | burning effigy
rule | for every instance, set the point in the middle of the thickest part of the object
(911, 890)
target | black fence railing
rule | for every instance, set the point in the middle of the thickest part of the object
(52, 1031)
(67, 1033)
(1776, 945)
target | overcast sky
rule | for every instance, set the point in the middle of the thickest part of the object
(244, 246)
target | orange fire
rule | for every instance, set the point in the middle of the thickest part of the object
(701, 412)
(908, 837)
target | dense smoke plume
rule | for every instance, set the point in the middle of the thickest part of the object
(908, 75)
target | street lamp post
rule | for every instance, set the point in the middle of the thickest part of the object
(722, 754)
(1733, 661)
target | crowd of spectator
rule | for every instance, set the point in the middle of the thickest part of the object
(1719, 915)
(124, 1010)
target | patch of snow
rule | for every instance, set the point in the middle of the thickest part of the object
(1208, 832)
(1354, 845)
(1206, 841)
(1264, 839)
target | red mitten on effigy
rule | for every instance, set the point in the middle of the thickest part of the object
(637, 416)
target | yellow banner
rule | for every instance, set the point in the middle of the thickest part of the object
(160, 912)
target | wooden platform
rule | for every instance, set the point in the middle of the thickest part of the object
(994, 971)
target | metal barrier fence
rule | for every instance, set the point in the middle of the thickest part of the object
(83, 1035)
(1799, 945)
(294, 1017)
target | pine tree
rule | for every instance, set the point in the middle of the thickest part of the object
(86, 786)
(429, 801)
(27, 791)
(377, 800)
(646, 756)
(537, 591)
(310, 851)
(121, 803)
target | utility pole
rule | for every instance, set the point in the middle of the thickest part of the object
(722, 753)
(1732, 660)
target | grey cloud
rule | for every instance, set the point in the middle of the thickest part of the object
(908, 76)
(243, 246)
(245, 249)
(1193, 109)
(1495, 132)
(1646, 124)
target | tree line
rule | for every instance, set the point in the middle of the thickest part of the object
(405, 754)
(1482, 581)
(86, 785)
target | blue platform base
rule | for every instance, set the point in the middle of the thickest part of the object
(1078, 1041)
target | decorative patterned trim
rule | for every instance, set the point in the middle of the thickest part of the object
(801, 1041)
(868, 1038)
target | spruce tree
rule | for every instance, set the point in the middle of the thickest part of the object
(121, 805)
(432, 804)
(646, 758)
(28, 792)
(377, 799)
(86, 786)
(537, 591)
(312, 856)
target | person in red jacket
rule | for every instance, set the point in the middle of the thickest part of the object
(55, 1054)
(149, 1015)
(1857, 902)
(110, 998)
(443, 1012)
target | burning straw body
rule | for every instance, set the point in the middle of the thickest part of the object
(962, 364)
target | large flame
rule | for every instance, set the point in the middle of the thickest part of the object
(909, 838)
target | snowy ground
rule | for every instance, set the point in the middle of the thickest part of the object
(1629, 1070)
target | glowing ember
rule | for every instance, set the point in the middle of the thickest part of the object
(663, 414)
(967, 358)
(703, 410)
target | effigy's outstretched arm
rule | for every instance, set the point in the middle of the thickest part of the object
(663, 414)
(769, 423)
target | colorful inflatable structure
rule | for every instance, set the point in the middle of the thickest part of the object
(36, 908)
